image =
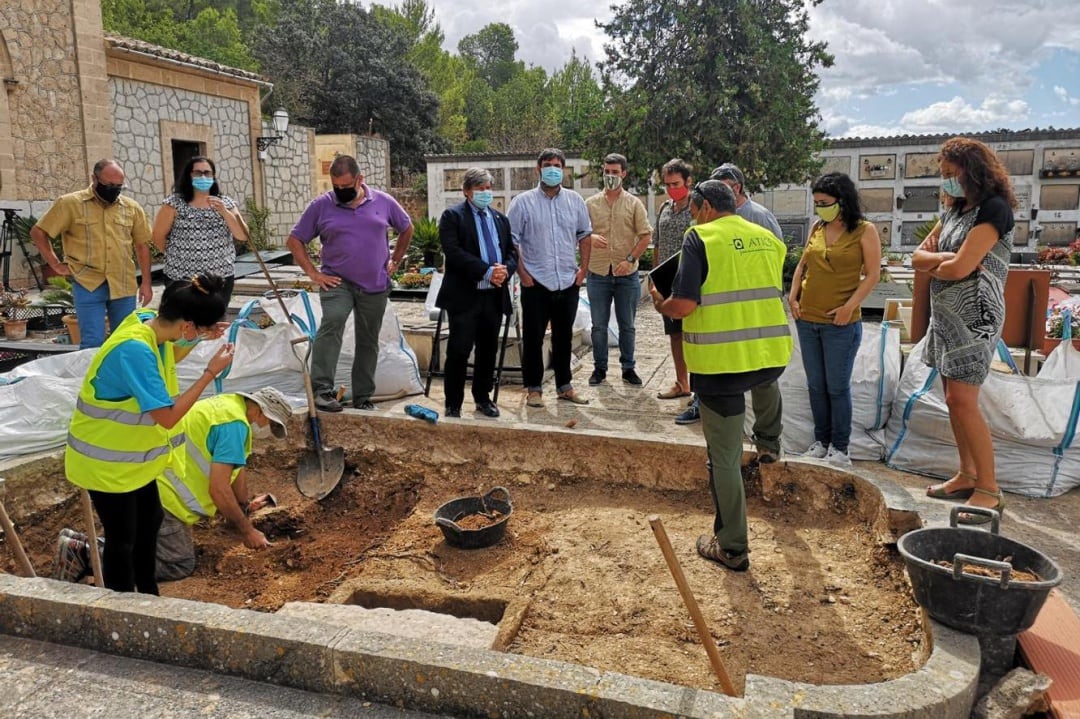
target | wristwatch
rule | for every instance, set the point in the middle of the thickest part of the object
(630, 258)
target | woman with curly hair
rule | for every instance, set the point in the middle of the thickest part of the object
(967, 257)
(838, 269)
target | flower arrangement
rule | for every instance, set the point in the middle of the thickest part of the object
(1055, 321)
(1059, 255)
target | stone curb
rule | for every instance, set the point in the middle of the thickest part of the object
(318, 657)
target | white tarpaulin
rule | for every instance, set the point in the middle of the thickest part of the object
(873, 386)
(1032, 420)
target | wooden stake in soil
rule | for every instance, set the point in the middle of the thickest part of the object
(691, 604)
(12, 538)
(91, 532)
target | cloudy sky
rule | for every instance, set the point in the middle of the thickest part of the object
(902, 66)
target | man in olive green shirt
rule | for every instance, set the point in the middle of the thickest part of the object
(99, 228)
(620, 220)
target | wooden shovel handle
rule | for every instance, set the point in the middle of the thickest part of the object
(691, 604)
(16, 546)
(91, 533)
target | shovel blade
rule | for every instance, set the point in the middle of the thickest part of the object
(319, 471)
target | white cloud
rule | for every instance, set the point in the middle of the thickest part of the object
(1063, 95)
(994, 112)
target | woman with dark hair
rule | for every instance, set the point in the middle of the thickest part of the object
(967, 257)
(838, 269)
(121, 435)
(196, 226)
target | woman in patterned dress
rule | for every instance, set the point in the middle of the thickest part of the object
(196, 226)
(967, 257)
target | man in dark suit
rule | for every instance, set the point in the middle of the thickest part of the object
(480, 257)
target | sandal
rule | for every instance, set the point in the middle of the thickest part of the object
(938, 491)
(969, 518)
(535, 399)
(709, 548)
(572, 396)
(674, 392)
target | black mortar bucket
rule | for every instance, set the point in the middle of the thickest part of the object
(448, 515)
(976, 604)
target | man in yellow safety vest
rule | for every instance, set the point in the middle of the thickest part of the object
(735, 339)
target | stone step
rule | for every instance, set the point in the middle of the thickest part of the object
(412, 623)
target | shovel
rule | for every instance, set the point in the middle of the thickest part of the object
(321, 468)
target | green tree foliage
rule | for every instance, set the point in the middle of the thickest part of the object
(578, 102)
(339, 69)
(713, 81)
(491, 52)
(218, 31)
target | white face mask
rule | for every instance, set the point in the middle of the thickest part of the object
(261, 432)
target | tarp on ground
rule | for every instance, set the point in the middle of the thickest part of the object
(38, 398)
(874, 378)
(1032, 420)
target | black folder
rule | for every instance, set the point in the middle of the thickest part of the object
(663, 275)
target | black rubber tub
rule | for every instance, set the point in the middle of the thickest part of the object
(972, 603)
(495, 503)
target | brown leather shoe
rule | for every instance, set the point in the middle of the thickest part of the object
(573, 396)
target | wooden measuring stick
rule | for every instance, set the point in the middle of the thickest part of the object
(10, 536)
(91, 533)
(691, 604)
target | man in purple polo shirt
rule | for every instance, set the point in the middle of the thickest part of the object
(352, 223)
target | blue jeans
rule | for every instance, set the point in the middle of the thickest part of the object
(91, 308)
(625, 291)
(828, 355)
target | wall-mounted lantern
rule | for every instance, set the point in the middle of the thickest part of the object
(280, 120)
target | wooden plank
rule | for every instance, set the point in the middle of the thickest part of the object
(1052, 647)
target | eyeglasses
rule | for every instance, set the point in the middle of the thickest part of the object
(202, 173)
(825, 203)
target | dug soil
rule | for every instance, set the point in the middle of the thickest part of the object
(823, 602)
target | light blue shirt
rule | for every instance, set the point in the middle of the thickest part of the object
(546, 231)
(485, 284)
(759, 214)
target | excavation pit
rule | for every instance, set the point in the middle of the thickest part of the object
(578, 578)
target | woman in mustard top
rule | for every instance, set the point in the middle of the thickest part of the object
(838, 269)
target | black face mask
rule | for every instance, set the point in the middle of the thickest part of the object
(108, 193)
(345, 195)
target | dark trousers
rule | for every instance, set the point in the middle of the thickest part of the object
(131, 521)
(477, 326)
(539, 305)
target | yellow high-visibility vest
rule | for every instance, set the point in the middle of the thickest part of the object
(112, 446)
(185, 486)
(740, 324)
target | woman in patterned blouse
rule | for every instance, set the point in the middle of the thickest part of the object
(967, 257)
(196, 226)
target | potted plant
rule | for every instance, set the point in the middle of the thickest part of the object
(60, 294)
(425, 242)
(13, 304)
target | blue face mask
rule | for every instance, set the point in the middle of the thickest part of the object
(202, 184)
(952, 187)
(184, 343)
(551, 176)
(482, 198)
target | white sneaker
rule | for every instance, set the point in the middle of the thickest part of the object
(816, 451)
(838, 458)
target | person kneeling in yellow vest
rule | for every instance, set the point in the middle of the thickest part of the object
(206, 476)
(735, 339)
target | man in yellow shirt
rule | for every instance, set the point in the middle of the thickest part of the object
(99, 229)
(620, 220)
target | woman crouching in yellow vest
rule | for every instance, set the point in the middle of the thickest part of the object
(121, 435)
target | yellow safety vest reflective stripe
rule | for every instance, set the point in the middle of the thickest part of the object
(185, 487)
(740, 324)
(113, 446)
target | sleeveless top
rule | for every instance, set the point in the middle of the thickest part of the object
(199, 241)
(832, 273)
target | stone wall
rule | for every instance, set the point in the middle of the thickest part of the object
(373, 156)
(44, 109)
(148, 116)
(289, 169)
(413, 202)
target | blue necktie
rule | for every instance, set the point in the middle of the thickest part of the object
(489, 243)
